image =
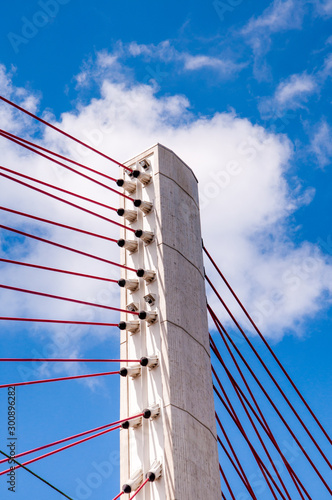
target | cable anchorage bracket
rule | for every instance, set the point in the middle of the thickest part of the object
(143, 177)
(129, 215)
(149, 316)
(134, 482)
(146, 236)
(145, 206)
(130, 326)
(130, 245)
(128, 186)
(152, 411)
(132, 307)
(131, 285)
(133, 371)
(149, 275)
(150, 361)
(145, 164)
(132, 423)
(155, 471)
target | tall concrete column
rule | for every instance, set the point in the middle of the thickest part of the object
(183, 437)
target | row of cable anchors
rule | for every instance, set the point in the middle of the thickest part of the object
(149, 275)
(150, 413)
(136, 480)
(134, 371)
(132, 285)
(134, 326)
(141, 175)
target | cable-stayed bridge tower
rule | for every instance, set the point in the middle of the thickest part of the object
(178, 438)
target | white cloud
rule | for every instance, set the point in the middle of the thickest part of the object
(162, 50)
(321, 144)
(324, 7)
(226, 67)
(280, 15)
(245, 203)
(291, 94)
(165, 52)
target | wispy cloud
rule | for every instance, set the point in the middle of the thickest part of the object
(324, 7)
(280, 15)
(291, 94)
(326, 70)
(321, 144)
(164, 51)
(225, 66)
(295, 90)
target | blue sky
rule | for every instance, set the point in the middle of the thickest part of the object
(242, 93)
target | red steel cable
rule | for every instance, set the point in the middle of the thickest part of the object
(270, 401)
(266, 429)
(119, 495)
(262, 421)
(58, 224)
(231, 378)
(45, 268)
(293, 476)
(234, 465)
(63, 132)
(270, 374)
(81, 434)
(33, 144)
(64, 201)
(227, 483)
(60, 449)
(230, 409)
(69, 168)
(264, 448)
(72, 170)
(58, 321)
(140, 488)
(68, 360)
(239, 467)
(18, 384)
(259, 461)
(268, 347)
(267, 475)
(49, 242)
(67, 299)
(223, 496)
(52, 186)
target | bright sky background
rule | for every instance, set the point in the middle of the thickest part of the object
(242, 93)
